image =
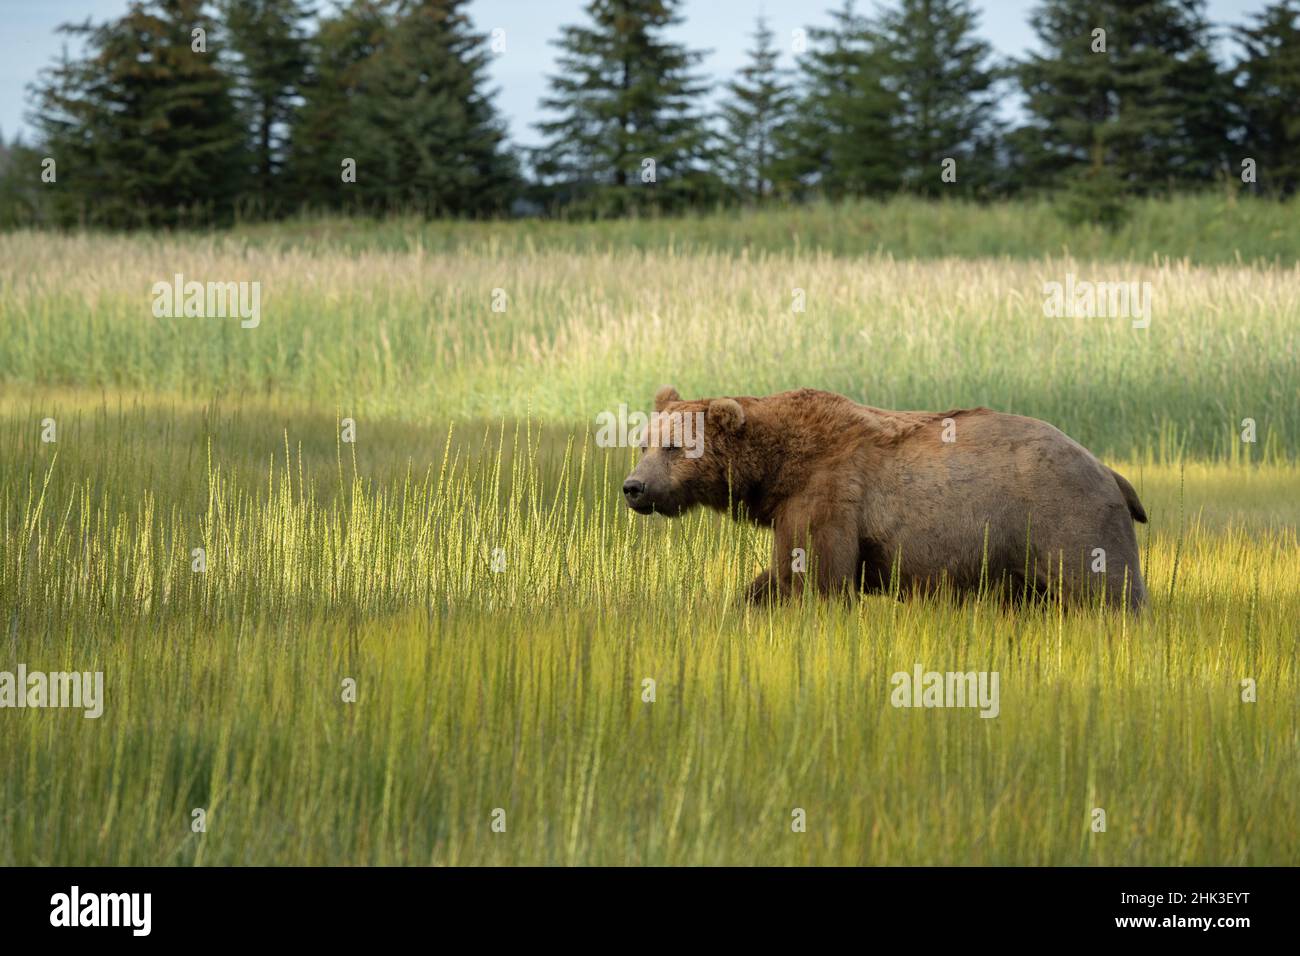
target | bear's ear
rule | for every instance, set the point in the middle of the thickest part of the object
(726, 414)
(664, 396)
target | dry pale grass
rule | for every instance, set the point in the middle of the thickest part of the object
(414, 335)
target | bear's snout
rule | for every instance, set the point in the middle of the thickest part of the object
(648, 489)
(633, 490)
(638, 496)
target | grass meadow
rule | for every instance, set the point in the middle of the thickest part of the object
(469, 564)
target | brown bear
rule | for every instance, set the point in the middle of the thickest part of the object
(864, 499)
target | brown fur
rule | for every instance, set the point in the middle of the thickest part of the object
(878, 500)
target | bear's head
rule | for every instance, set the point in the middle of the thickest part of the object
(691, 455)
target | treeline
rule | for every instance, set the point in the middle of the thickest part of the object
(202, 111)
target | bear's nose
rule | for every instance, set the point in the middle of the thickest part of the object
(632, 489)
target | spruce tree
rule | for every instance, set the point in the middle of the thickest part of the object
(318, 140)
(941, 74)
(1268, 93)
(270, 42)
(844, 141)
(21, 199)
(758, 107)
(399, 89)
(143, 128)
(628, 134)
(1144, 114)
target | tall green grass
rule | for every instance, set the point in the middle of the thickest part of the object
(522, 688)
(1209, 229)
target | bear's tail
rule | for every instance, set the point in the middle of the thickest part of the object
(1130, 496)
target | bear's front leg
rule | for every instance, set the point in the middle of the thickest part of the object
(818, 545)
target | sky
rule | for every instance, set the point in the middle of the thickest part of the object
(724, 27)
